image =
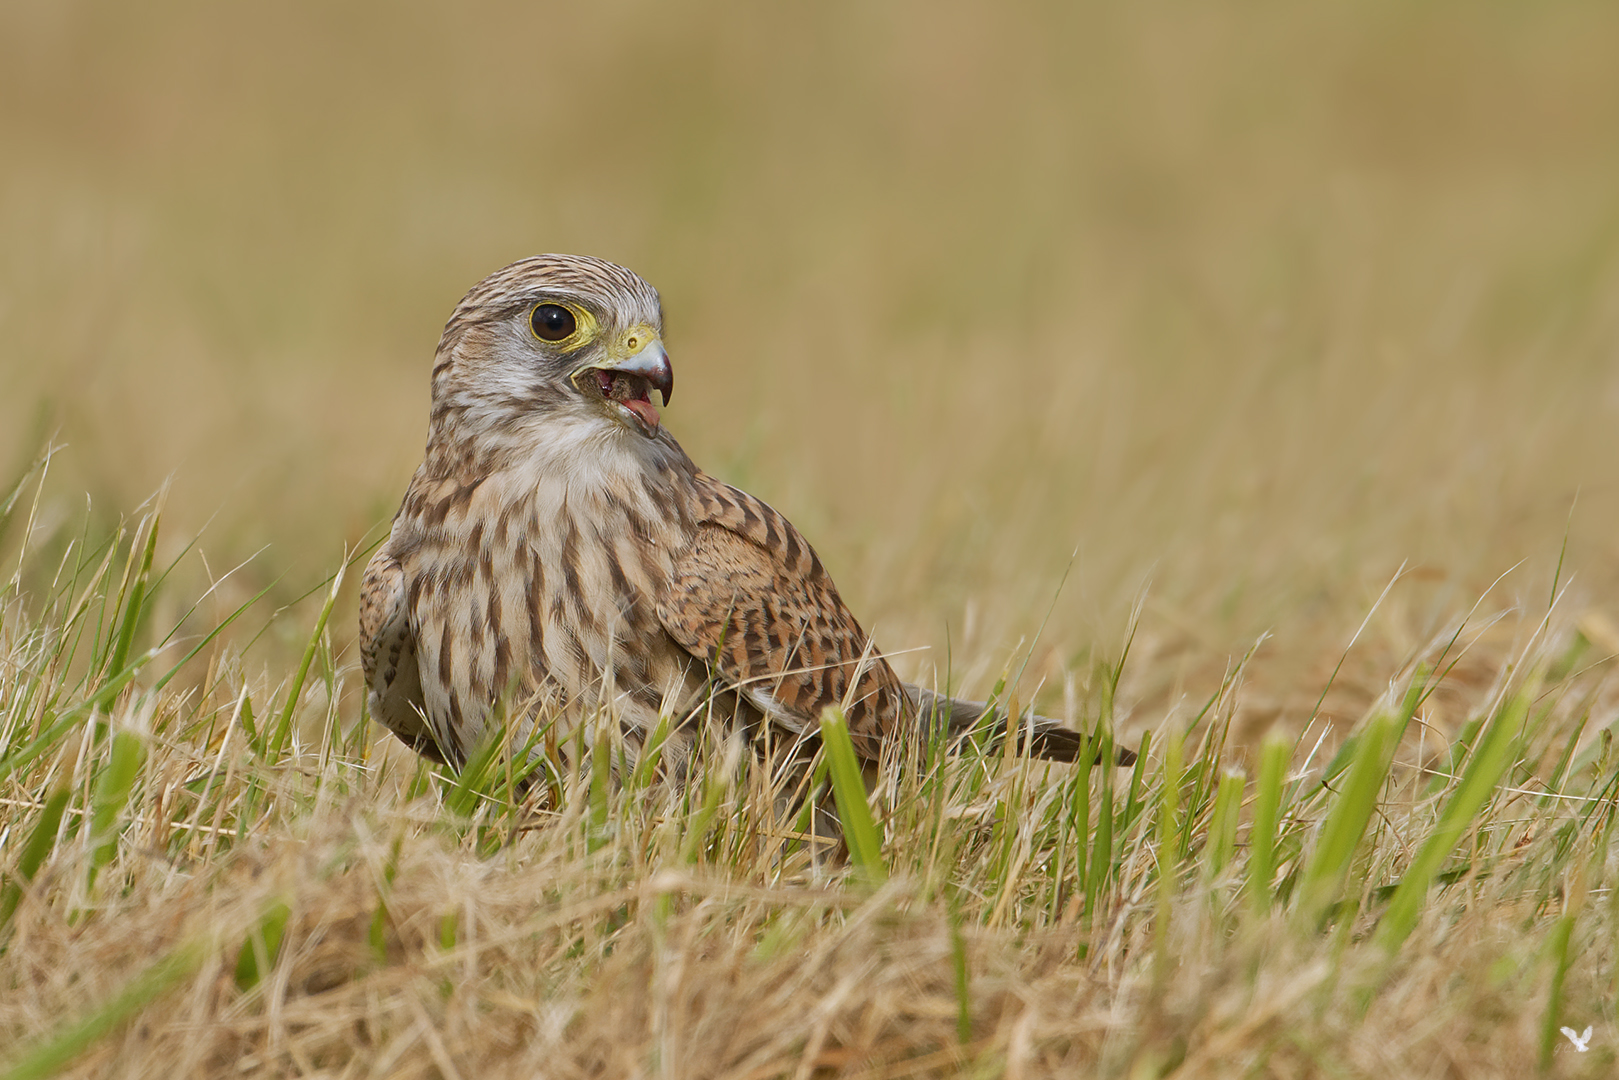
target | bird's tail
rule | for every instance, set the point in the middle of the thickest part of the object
(1046, 738)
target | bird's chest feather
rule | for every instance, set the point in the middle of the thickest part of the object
(546, 578)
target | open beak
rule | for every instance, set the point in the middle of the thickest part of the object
(652, 364)
(628, 384)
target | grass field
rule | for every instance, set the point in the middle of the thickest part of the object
(1239, 382)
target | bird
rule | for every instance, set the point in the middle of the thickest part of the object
(557, 554)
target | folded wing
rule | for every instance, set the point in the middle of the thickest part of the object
(750, 597)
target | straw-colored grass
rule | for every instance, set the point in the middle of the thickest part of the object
(212, 873)
(1238, 382)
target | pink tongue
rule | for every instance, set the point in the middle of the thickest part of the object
(647, 411)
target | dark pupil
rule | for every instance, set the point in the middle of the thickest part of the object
(552, 322)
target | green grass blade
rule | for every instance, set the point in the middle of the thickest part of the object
(1166, 841)
(1101, 860)
(860, 829)
(646, 763)
(1557, 944)
(472, 782)
(1222, 843)
(261, 947)
(1490, 761)
(1328, 868)
(1274, 754)
(1079, 815)
(208, 639)
(596, 831)
(377, 936)
(1559, 776)
(111, 796)
(34, 853)
(58, 1051)
(134, 604)
(697, 824)
(283, 729)
(50, 736)
(1138, 775)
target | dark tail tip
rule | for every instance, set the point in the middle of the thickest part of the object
(1060, 744)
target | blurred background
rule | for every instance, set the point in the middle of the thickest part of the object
(1230, 309)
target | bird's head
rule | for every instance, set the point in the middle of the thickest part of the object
(554, 338)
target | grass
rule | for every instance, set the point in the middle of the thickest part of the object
(1238, 383)
(189, 890)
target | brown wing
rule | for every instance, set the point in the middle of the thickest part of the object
(750, 596)
(388, 654)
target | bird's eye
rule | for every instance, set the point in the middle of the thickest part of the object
(552, 322)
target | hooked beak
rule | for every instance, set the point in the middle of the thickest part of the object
(652, 364)
(627, 385)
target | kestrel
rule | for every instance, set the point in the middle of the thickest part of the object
(557, 548)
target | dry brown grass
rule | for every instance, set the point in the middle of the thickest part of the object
(1249, 308)
(539, 986)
